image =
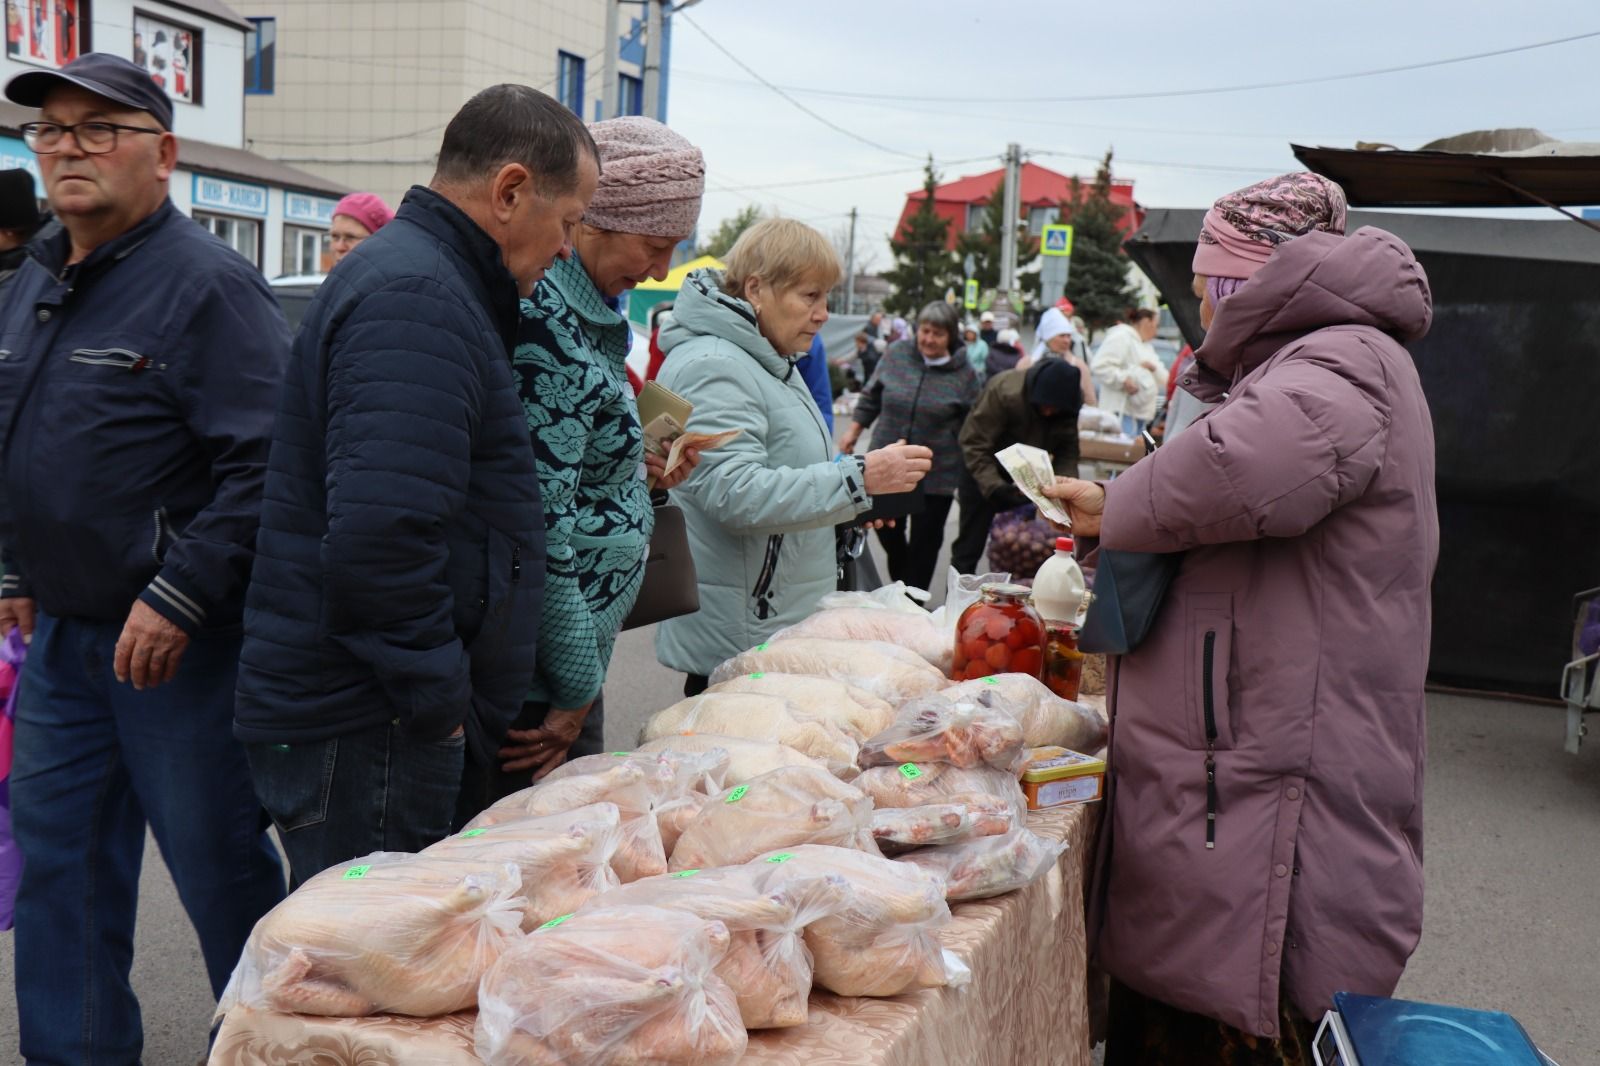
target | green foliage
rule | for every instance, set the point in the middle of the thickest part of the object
(728, 231)
(923, 267)
(983, 244)
(1097, 283)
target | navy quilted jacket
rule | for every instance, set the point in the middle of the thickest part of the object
(399, 566)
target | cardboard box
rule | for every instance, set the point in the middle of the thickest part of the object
(1108, 451)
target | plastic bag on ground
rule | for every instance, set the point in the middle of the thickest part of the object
(859, 714)
(621, 986)
(679, 782)
(992, 866)
(388, 933)
(779, 809)
(1046, 718)
(883, 940)
(746, 758)
(758, 717)
(768, 965)
(886, 670)
(963, 733)
(903, 828)
(920, 784)
(565, 859)
(914, 632)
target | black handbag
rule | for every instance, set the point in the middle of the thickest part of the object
(670, 588)
(1128, 590)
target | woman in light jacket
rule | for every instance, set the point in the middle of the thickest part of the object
(1129, 372)
(1264, 848)
(760, 510)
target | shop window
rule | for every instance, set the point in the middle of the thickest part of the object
(241, 234)
(261, 57)
(47, 32)
(170, 52)
(569, 81)
(630, 95)
(975, 213)
(305, 250)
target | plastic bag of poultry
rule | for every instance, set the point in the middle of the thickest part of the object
(389, 933)
(746, 758)
(779, 809)
(962, 733)
(992, 866)
(920, 784)
(883, 938)
(565, 859)
(768, 964)
(903, 828)
(679, 782)
(620, 986)
(759, 718)
(1046, 719)
(859, 714)
(888, 671)
(914, 632)
(895, 596)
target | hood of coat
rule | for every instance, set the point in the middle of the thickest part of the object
(1368, 278)
(702, 309)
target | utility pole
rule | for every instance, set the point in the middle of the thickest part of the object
(652, 58)
(850, 268)
(1011, 208)
(608, 87)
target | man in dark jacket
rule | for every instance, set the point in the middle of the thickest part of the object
(19, 221)
(390, 626)
(1037, 406)
(140, 359)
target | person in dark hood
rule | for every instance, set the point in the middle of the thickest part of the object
(20, 220)
(1005, 352)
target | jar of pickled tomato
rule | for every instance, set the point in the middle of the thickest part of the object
(998, 634)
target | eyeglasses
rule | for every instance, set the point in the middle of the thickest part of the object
(94, 138)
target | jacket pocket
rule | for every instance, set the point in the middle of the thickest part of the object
(766, 587)
(114, 359)
(161, 537)
(1209, 632)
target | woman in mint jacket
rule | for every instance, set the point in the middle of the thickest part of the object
(760, 510)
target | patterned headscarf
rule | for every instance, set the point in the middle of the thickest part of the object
(1244, 228)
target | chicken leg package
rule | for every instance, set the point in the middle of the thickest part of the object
(920, 784)
(746, 758)
(992, 866)
(883, 940)
(914, 632)
(620, 986)
(768, 965)
(386, 934)
(759, 717)
(903, 828)
(859, 714)
(1047, 720)
(962, 733)
(565, 859)
(679, 781)
(780, 809)
(888, 671)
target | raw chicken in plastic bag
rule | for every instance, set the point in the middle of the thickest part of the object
(768, 965)
(389, 933)
(919, 784)
(1046, 718)
(859, 714)
(883, 940)
(759, 718)
(746, 758)
(679, 780)
(903, 828)
(779, 809)
(565, 859)
(991, 866)
(914, 632)
(963, 733)
(895, 596)
(620, 986)
(886, 670)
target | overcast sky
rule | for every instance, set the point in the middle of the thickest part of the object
(1180, 151)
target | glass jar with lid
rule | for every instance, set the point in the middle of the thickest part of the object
(1000, 633)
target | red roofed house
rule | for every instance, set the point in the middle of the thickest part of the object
(962, 201)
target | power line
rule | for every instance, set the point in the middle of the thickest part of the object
(855, 177)
(1274, 169)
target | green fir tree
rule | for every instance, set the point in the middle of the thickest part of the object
(983, 244)
(1097, 283)
(923, 267)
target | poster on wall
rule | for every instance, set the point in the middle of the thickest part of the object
(167, 51)
(48, 32)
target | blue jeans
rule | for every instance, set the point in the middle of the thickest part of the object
(376, 789)
(1132, 427)
(96, 762)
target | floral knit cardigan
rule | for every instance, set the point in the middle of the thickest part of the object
(570, 370)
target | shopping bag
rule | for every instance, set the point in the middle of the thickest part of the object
(12, 654)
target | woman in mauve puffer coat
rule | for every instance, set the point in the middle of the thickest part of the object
(1287, 662)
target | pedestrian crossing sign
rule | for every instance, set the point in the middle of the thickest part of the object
(1056, 240)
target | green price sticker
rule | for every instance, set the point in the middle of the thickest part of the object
(355, 873)
(681, 874)
(474, 833)
(784, 857)
(552, 923)
(737, 794)
(762, 646)
(991, 681)
(757, 676)
(910, 771)
(621, 754)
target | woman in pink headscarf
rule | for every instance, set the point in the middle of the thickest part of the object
(1264, 841)
(355, 218)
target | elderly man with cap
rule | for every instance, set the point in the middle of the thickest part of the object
(355, 218)
(587, 439)
(19, 221)
(1037, 406)
(140, 367)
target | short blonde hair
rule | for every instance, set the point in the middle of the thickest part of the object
(783, 253)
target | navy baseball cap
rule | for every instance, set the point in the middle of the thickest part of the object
(105, 75)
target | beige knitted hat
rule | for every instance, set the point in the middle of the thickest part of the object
(651, 179)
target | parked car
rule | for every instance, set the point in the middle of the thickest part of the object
(294, 293)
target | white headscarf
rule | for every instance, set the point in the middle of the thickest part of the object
(1052, 323)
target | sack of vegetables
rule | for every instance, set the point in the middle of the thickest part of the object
(1020, 541)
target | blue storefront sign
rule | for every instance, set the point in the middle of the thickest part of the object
(15, 155)
(311, 210)
(235, 197)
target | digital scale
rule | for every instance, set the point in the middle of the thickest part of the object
(1375, 1031)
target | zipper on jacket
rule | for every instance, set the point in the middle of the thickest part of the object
(1207, 672)
(763, 591)
(516, 563)
(155, 545)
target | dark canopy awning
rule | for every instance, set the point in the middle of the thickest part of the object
(1395, 178)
